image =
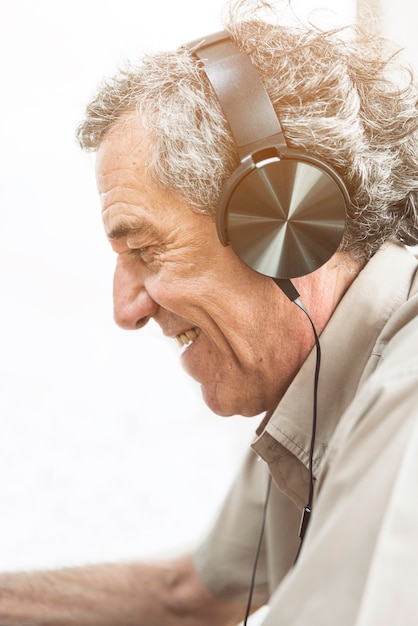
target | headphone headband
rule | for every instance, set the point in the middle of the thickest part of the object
(236, 80)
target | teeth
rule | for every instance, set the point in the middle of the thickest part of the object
(188, 337)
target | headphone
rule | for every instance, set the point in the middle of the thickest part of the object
(282, 210)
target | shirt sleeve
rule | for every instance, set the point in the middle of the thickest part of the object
(225, 559)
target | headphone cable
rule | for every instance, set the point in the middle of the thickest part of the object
(306, 513)
(290, 291)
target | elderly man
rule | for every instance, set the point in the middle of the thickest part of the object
(215, 193)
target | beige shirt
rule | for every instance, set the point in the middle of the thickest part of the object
(359, 561)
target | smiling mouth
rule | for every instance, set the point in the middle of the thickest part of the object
(185, 339)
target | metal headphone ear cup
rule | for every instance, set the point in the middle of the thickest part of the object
(283, 217)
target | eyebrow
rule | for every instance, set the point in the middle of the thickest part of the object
(125, 229)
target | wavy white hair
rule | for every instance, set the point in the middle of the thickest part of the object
(340, 94)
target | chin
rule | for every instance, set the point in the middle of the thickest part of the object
(212, 401)
(228, 407)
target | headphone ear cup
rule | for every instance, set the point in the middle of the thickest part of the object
(284, 217)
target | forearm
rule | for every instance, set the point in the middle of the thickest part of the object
(103, 594)
(112, 595)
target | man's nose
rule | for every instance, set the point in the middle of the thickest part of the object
(132, 304)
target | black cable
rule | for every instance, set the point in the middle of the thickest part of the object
(290, 291)
(306, 514)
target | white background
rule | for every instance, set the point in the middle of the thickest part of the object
(106, 449)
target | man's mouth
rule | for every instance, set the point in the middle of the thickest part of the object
(185, 339)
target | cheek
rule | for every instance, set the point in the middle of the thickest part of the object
(174, 291)
(180, 273)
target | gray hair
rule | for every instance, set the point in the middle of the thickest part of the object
(341, 95)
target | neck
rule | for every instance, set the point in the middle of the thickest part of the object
(322, 290)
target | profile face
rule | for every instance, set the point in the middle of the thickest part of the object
(238, 333)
